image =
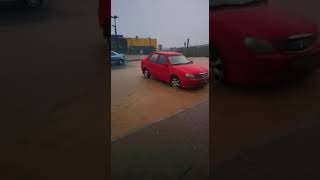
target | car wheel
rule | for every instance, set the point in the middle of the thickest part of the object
(175, 82)
(121, 62)
(217, 66)
(146, 73)
(32, 3)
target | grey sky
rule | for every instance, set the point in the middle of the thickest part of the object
(170, 21)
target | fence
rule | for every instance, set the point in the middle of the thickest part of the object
(193, 51)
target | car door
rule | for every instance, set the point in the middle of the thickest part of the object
(162, 67)
(151, 65)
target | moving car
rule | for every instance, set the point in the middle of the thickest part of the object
(174, 68)
(253, 42)
(25, 3)
(117, 58)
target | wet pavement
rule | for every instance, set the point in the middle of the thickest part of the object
(261, 114)
(53, 93)
(172, 149)
(137, 102)
(291, 156)
(131, 57)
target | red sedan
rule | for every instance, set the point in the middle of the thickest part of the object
(253, 42)
(174, 68)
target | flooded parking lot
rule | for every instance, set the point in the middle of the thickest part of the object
(137, 102)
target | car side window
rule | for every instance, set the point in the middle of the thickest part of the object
(162, 59)
(153, 58)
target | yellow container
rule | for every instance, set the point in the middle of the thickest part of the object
(132, 42)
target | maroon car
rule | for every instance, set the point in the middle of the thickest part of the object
(252, 41)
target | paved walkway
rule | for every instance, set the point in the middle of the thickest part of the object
(295, 156)
(174, 148)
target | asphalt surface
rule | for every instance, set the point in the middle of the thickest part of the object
(292, 156)
(53, 93)
(175, 148)
(137, 102)
(245, 118)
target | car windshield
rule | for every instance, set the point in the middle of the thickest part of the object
(178, 59)
(219, 3)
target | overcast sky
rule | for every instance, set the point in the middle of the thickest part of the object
(170, 21)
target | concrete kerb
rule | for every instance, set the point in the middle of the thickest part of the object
(133, 60)
(139, 59)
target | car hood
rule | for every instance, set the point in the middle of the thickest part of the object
(264, 21)
(190, 68)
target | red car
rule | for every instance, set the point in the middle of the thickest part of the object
(252, 42)
(174, 68)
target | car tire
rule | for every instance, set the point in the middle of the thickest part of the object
(218, 70)
(121, 62)
(175, 82)
(146, 73)
(32, 3)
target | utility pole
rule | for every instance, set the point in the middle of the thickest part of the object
(115, 29)
(188, 43)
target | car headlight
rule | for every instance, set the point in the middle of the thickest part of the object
(190, 76)
(258, 45)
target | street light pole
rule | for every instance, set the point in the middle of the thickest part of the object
(115, 29)
(188, 43)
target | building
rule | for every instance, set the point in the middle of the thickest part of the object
(133, 45)
(141, 45)
(122, 43)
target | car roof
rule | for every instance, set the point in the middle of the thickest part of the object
(168, 53)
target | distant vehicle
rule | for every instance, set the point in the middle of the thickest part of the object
(252, 42)
(117, 58)
(26, 3)
(174, 68)
(104, 15)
